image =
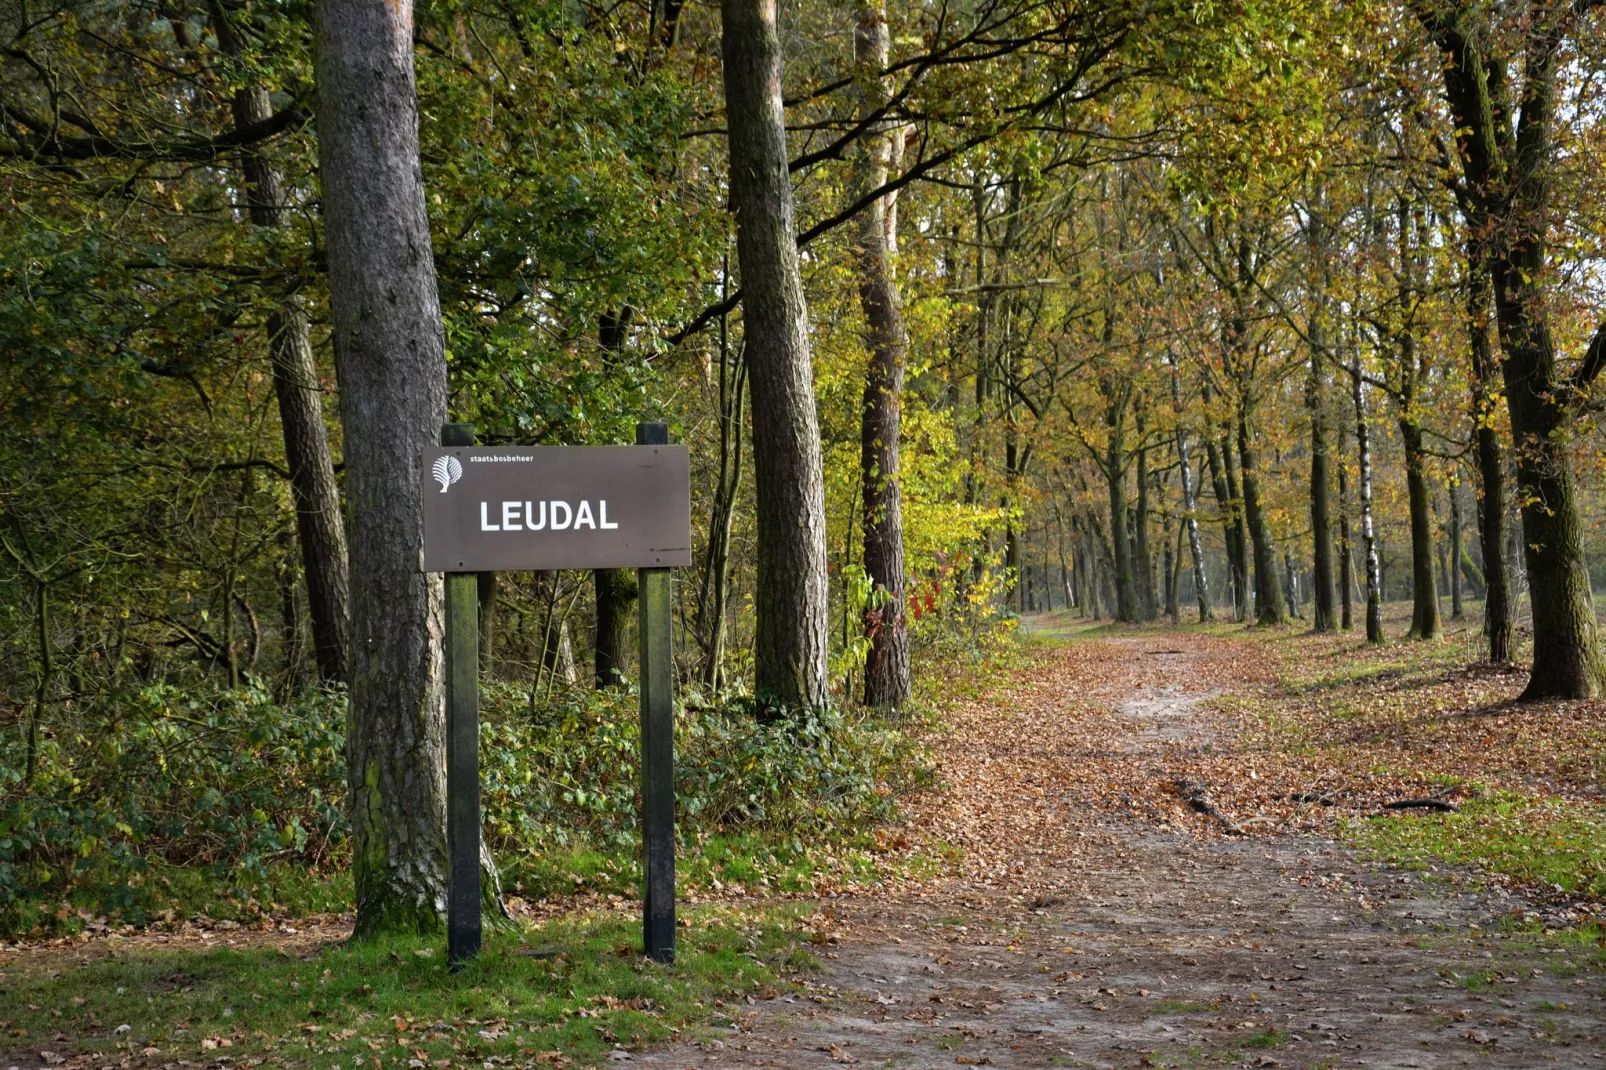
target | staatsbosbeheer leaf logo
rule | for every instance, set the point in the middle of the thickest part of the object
(446, 470)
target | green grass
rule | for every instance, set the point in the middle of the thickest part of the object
(576, 988)
(1268, 1038)
(1556, 844)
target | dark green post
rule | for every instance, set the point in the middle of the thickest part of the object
(657, 748)
(462, 749)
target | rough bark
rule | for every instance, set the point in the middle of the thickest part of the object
(320, 526)
(389, 350)
(791, 629)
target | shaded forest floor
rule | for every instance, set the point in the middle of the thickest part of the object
(1156, 849)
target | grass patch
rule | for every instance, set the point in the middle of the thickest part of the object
(1556, 845)
(568, 990)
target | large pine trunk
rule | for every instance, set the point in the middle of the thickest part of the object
(320, 528)
(886, 670)
(791, 639)
(389, 350)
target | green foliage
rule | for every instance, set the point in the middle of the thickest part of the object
(230, 782)
(568, 776)
(1554, 844)
(229, 803)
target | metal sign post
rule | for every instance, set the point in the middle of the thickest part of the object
(548, 507)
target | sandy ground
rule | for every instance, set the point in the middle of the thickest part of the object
(1090, 933)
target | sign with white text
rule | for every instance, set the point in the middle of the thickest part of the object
(542, 507)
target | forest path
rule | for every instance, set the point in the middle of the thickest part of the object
(1094, 920)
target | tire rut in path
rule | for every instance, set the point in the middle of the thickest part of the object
(1094, 928)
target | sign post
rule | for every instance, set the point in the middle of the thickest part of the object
(548, 507)
(657, 747)
(462, 750)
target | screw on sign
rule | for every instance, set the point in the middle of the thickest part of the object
(512, 508)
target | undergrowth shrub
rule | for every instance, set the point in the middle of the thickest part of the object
(250, 791)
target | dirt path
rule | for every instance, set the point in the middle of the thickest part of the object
(1096, 921)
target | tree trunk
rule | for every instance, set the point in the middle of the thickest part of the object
(1225, 499)
(1268, 607)
(615, 596)
(1126, 607)
(1509, 204)
(1346, 558)
(614, 589)
(1363, 452)
(1424, 590)
(1201, 583)
(791, 640)
(1498, 610)
(1322, 615)
(389, 349)
(1457, 610)
(296, 386)
(716, 570)
(1148, 603)
(886, 669)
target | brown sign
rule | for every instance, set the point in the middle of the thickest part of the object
(538, 507)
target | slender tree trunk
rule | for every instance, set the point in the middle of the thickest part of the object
(1229, 526)
(1239, 543)
(1268, 607)
(389, 349)
(296, 386)
(1148, 603)
(1322, 615)
(1126, 608)
(614, 589)
(1424, 589)
(1457, 610)
(1363, 453)
(1498, 606)
(790, 599)
(1346, 557)
(1201, 583)
(886, 670)
(711, 604)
